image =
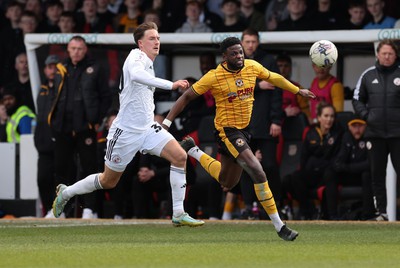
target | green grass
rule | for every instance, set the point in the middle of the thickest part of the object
(128, 243)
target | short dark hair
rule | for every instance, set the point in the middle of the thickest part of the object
(228, 42)
(139, 31)
(252, 32)
(357, 3)
(14, 4)
(68, 14)
(78, 38)
(284, 57)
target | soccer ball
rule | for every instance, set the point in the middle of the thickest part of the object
(323, 53)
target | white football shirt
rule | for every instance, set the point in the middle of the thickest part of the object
(136, 93)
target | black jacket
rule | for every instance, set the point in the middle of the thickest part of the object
(352, 156)
(267, 107)
(377, 100)
(91, 99)
(318, 151)
(42, 136)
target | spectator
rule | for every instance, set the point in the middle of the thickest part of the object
(53, 11)
(103, 13)
(129, 21)
(319, 149)
(3, 121)
(377, 101)
(35, 6)
(298, 19)
(351, 168)
(211, 19)
(67, 22)
(19, 116)
(80, 105)
(326, 17)
(265, 123)
(215, 7)
(292, 104)
(233, 22)
(275, 13)
(69, 5)
(172, 14)
(28, 23)
(379, 18)
(67, 26)
(328, 89)
(254, 19)
(152, 15)
(193, 23)
(14, 45)
(88, 22)
(22, 83)
(357, 15)
(234, 103)
(43, 138)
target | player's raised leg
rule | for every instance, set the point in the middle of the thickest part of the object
(106, 180)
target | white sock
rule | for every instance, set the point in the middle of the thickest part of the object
(195, 152)
(177, 179)
(276, 221)
(87, 185)
(227, 215)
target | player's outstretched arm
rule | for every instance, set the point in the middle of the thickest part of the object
(306, 93)
(183, 84)
(178, 107)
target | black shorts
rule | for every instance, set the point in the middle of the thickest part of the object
(233, 141)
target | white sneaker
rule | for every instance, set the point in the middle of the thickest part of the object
(50, 215)
(118, 217)
(88, 214)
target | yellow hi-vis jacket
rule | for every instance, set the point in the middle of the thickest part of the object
(13, 122)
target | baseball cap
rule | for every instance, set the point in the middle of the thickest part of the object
(52, 59)
(356, 119)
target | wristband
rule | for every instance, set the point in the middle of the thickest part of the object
(167, 122)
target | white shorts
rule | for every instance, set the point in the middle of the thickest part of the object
(122, 146)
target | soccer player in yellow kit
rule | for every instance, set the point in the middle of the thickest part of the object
(232, 85)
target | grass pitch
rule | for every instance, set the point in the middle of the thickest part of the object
(136, 243)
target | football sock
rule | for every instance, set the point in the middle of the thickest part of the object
(178, 188)
(87, 185)
(266, 199)
(211, 165)
(228, 209)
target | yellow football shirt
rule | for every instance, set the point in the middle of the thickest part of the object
(233, 91)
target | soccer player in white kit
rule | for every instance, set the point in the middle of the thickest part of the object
(135, 129)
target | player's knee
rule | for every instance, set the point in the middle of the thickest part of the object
(227, 184)
(108, 183)
(179, 160)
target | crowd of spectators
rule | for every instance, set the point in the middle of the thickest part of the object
(19, 17)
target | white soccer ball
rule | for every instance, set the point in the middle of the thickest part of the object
(323, 53)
